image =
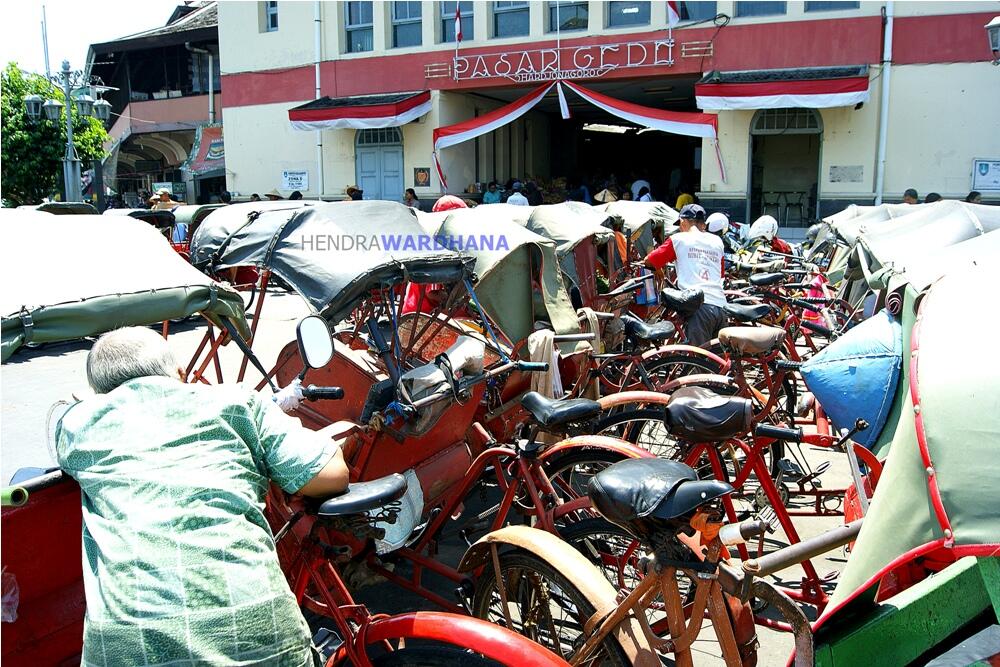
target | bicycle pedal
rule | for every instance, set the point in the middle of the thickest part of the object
(768, 515)
(327, 642)
(790, 468)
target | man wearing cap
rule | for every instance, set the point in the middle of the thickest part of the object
(516, 198)
(698, 258)
(274, 195)
(163, 201)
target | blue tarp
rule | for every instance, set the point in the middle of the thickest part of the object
(856, 375)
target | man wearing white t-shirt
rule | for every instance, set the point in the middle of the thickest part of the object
(698, 257)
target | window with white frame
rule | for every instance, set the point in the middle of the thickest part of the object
(448, 20)
(358, 26)
(697, 10)
(510, 19)
(760, 8)
(622, 14)
(270, 16)
(831, 5)
(566, 16)
(406, 27)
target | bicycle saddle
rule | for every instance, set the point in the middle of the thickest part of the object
(698, 414)
(558, 411)
(747, 313)
(766, 279)
(636, 329)
(751, 340)
(363, 496)
(685, 302)
(644, 496)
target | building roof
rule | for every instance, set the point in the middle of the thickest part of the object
(794, 74)
(199, 23)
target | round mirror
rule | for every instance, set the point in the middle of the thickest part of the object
(315, 344)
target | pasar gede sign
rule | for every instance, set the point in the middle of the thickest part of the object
(564, 62)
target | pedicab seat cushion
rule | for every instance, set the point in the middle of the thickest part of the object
(685, 302)
(556, 412)
(657, 332)
(766, 279)
(361, 497)
(751, 340)
(747, 313)
(698, 414)
(643, 495)
(856, 375)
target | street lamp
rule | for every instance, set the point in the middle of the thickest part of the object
(52, 109)
(33, 106)
(993, 34)
(85, 105)
(102, 110)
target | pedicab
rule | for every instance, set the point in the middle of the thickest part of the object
(127, 276)
(63, 208)
(189, 215)
(414, 365)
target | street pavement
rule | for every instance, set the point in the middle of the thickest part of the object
(33, 380)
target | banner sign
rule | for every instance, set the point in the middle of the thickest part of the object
(295, 180)
(209, 151)
(566, 62)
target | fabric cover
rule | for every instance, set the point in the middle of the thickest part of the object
(857, 374)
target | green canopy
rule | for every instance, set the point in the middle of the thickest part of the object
(640, 219)
(569, 224)
(63, 208)
(953, 445)
(503, 252)
(74, 277)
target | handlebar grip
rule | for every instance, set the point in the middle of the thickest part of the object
(742, 532)
(787, 365)
(532, 366)
(796, 285)
(817, 328)
(815, 299)
(806, 305)
(314, 393)
(570, 338)
(778, 432)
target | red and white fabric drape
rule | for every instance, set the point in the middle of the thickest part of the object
(811, 94)
(360, 113)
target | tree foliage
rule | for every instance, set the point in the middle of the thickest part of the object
(32, 151)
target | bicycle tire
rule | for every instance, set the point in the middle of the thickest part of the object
(585, 462)
(517, 568)
(441, 655)
(677, 365)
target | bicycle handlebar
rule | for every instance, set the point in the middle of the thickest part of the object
(817, 328)
(778, 432)
(787, 365)
(738, 533)
(570, 338)
(533, 366)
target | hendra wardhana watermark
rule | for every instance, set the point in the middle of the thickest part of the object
(401, 242)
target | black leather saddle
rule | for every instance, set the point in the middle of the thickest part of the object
(765, 279)
(364, 496)
(637, 330)
(685, 302)
(700, 415)
(551, 412)
(747, 313)
(646, 495)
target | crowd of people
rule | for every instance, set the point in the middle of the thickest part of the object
(911, 196)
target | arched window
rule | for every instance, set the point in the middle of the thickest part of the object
(787, 121)
(381, 136)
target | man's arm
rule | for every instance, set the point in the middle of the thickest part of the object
(331, 480)
(661, 256)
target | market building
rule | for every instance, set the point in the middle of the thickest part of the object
(780, 107)
(165, 95)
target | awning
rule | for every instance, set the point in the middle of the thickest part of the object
(360, 112)
(812, 87)
(208, 154)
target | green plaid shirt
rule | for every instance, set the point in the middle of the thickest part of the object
(179, 562)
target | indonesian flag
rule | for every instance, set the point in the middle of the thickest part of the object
(458, 21)
(673, 13)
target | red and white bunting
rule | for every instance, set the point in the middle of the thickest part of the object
(362, 116)
(475, 127)
(811, 94)
(673, 13)
(563, 104)
(458, 22)
(675, 122)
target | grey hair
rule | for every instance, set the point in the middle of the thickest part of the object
(126, 354)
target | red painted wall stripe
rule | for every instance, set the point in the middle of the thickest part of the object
(812, 87)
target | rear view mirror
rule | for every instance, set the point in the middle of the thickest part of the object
(315, 344)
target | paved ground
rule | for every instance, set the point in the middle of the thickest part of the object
(35, 379)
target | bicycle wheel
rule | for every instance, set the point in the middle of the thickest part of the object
(543, 605)
(669, 367)
(436, 655)
(569, 473)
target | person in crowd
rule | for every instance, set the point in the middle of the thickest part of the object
(698, 258)
(516, 198)
(354, 193)
(638, 184)
(764, 230)
(974, 197)
(606, 196)
(295, 196)
(163, 201)
(226, 197)
(684, 198)
(174, 479)
(644, 194)
(410, 198)
(626, 194)
(255, 197)
(932, 197)
(718, 224)
(911, 196)
(274, 195)
(448, 203)
(533, 193)
(492, 194)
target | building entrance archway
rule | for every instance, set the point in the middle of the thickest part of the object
(785, 151)
(378, 163)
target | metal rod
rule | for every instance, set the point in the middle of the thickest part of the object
(802, 551)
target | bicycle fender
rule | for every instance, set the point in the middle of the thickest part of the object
(580, 572)
(685, 349)
(602, 442)
(494, 642)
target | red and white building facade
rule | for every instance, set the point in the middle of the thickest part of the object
(758, 106)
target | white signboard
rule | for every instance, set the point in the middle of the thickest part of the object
(295, 180)
(985, 175)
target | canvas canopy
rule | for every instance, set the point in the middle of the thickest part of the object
(937, 491)
(569, 224)
(640, 219)
(98, 273)
(63, 208)
(331, 253)
(505, 255)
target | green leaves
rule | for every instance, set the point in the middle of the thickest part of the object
(33, 151)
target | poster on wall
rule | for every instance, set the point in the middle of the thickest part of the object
(295, 180)
(421, 177)
(986, 175)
